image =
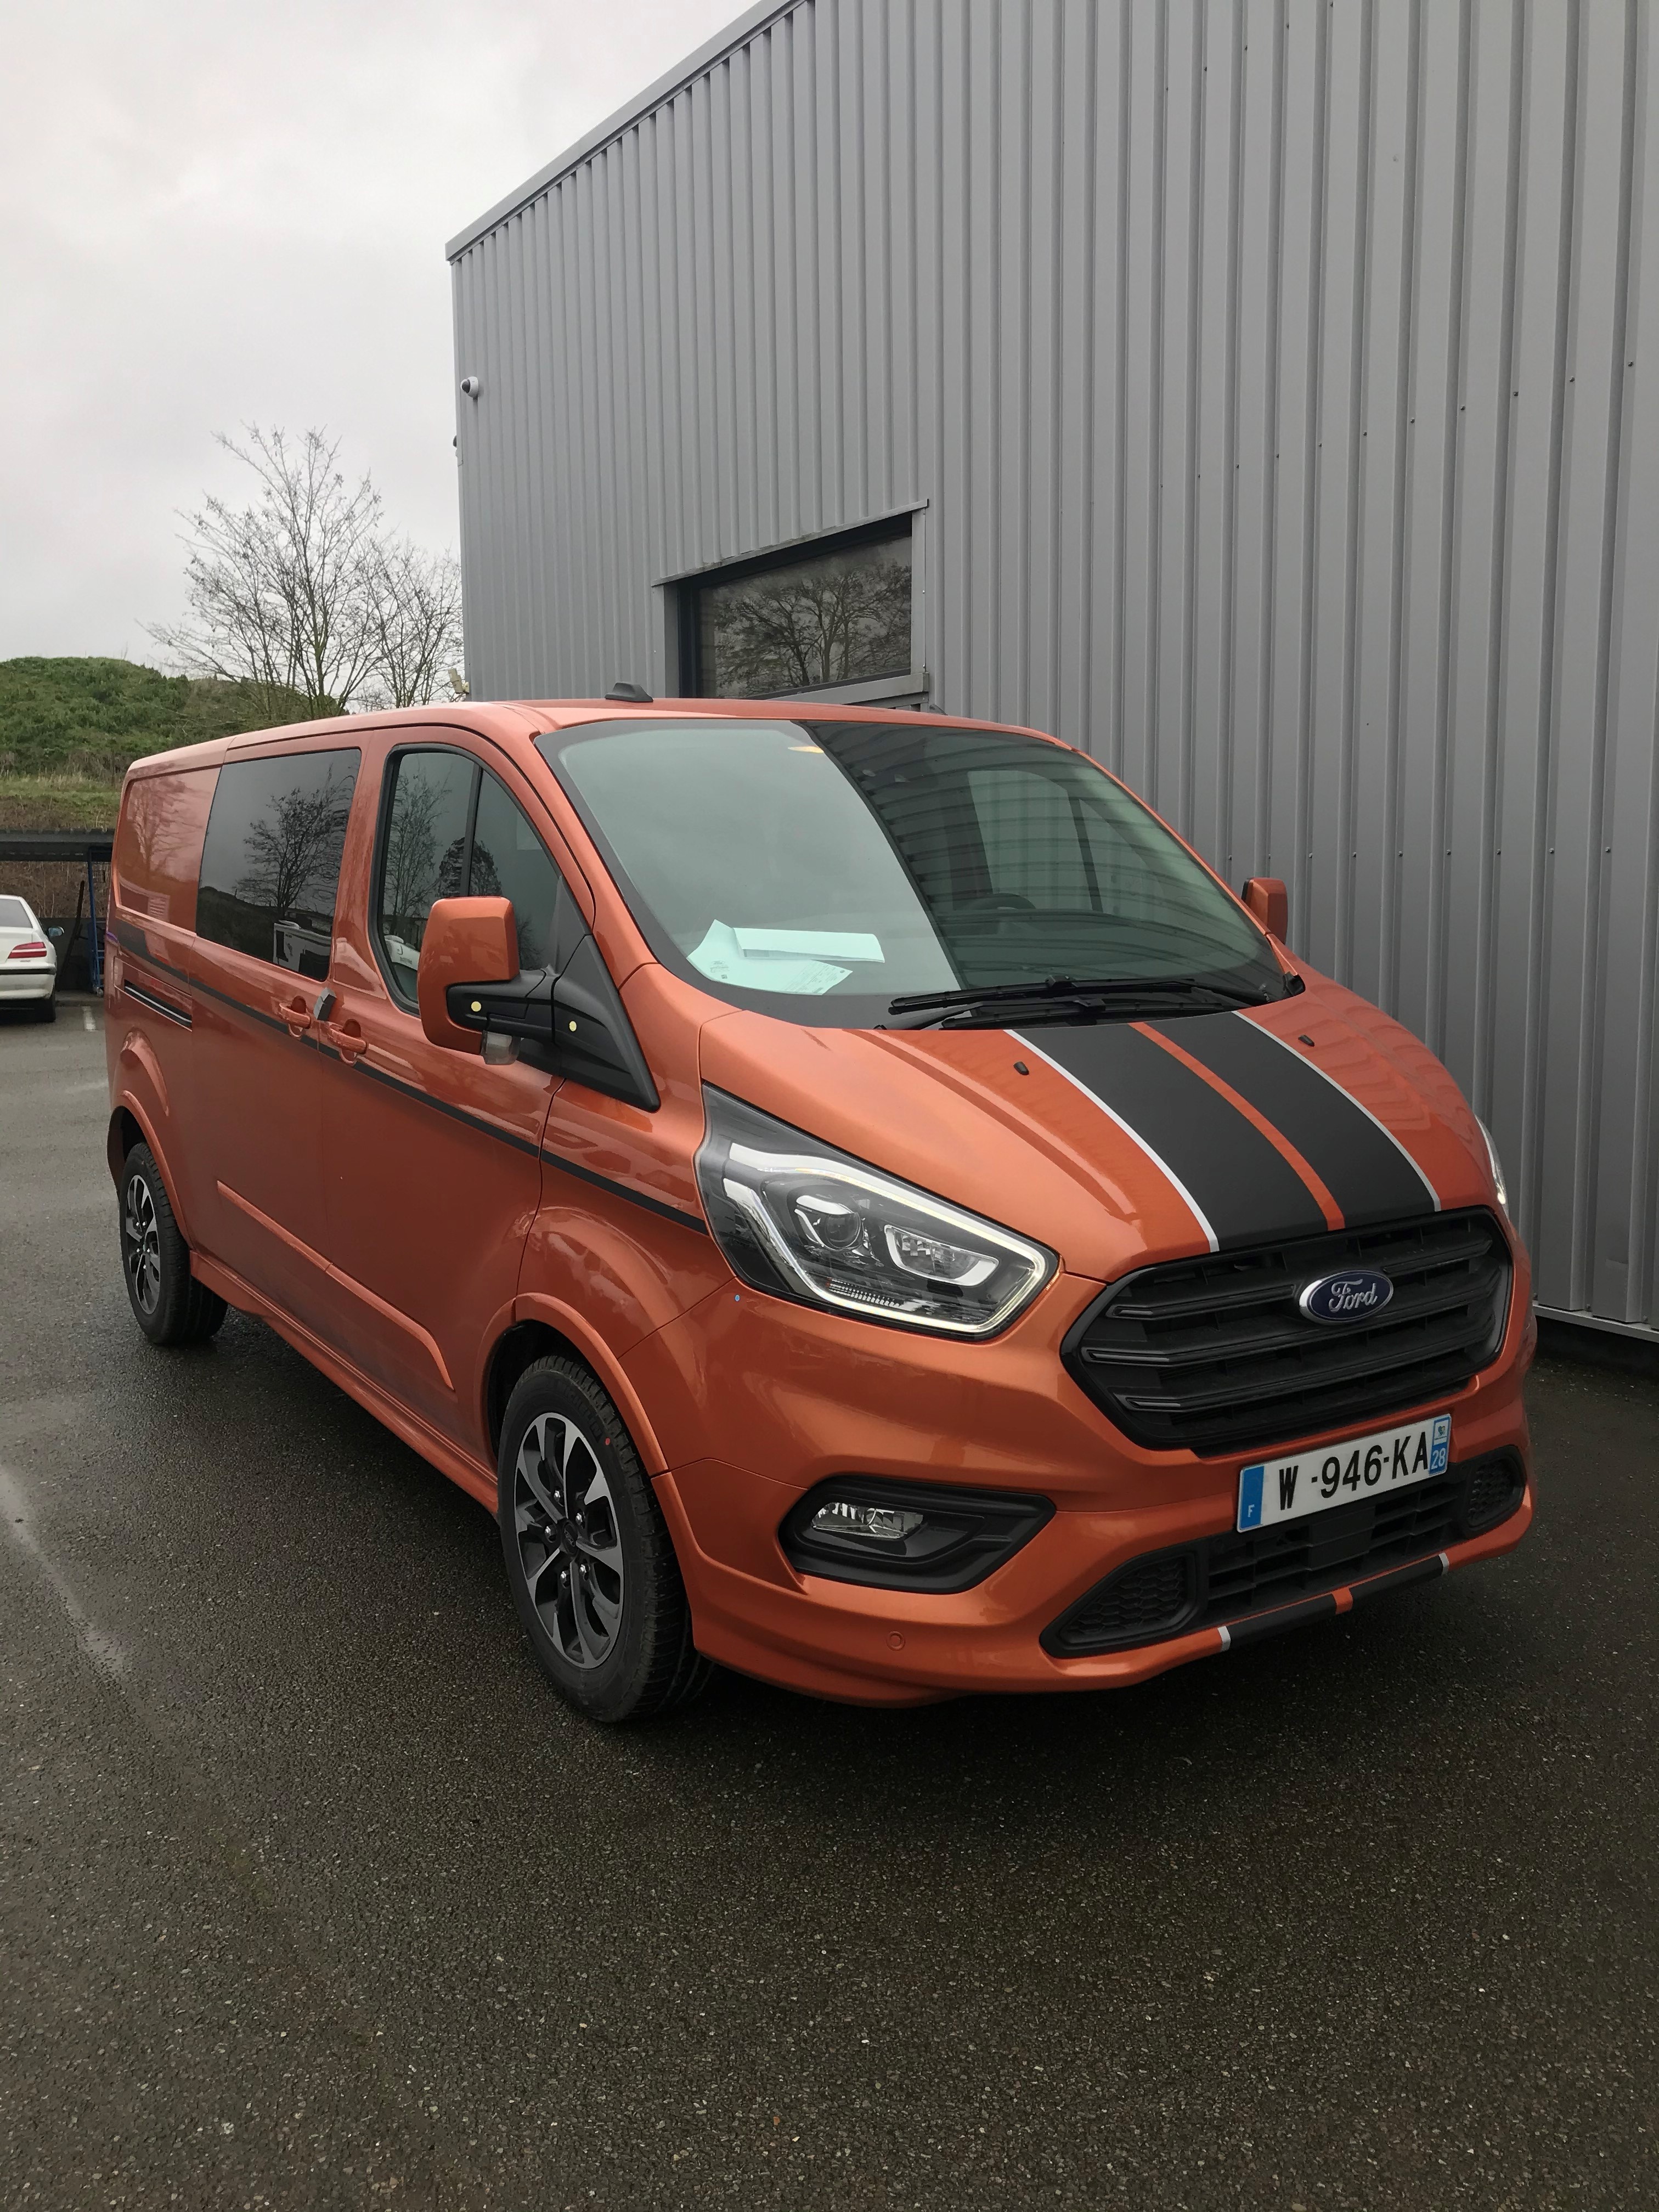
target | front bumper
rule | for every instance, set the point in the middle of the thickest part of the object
(745, 1382)
(894, 1648)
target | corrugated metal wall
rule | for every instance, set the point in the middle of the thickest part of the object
(1278, 374)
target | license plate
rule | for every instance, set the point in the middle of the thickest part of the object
(1365, 1466)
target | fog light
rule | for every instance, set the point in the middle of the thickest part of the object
(882, 1524)
(907, 1535)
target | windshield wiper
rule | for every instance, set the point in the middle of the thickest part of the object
(942, 1009)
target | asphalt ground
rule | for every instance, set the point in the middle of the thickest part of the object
(312, 1893)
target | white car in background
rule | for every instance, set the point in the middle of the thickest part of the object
(28, 960)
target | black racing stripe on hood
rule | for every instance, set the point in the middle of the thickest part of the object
(1248, 1189)
(1365, 1171)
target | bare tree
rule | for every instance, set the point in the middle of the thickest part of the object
(300, 594)
(413, 601)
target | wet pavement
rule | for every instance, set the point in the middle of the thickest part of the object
(312, 1893)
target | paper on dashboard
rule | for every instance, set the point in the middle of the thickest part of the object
(723, 958)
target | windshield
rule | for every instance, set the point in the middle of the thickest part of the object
(819, 870)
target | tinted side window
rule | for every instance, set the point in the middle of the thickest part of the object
(453, 832)
(509, 860)
(270, 863)
(158, 844)
(425, 855)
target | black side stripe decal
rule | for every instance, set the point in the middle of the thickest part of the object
(1367, 1171)
(661, 1205)
(126, 937)
(241, 1007)
(522, 1145)
(442, 1106)
(132, 940)
(1245, 1186)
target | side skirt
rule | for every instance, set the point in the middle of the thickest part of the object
(478, 1480)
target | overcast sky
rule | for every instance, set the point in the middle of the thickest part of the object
(215, 214)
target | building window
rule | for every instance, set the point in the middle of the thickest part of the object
(834, 612)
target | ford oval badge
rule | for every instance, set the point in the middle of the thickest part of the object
(1355, 1295)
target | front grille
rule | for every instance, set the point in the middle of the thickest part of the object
(1214, 1354)
(1227, 1578)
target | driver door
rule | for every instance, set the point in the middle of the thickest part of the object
(433, 1156)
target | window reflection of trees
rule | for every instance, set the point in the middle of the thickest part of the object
(411, 851)
(294, 852)
(842, 618)
(416, 870)
(420, 867)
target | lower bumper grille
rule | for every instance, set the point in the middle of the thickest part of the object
(1229, 1578)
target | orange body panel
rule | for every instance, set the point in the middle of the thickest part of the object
(396, 1207)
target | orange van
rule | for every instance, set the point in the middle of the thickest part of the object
(856, 1196)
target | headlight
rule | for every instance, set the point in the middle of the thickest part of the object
(804, 1221)
(1496, 1164)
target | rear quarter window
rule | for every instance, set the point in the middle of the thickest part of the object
(158, 844)
(271, 862)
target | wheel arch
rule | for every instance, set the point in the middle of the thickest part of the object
(129, 1125)
(542, 1328)
(125, 1130)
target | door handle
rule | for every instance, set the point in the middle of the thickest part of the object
(346, 1039)
(295, 1014)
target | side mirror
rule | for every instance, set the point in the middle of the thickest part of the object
(467, 941)
(475, 998)
(1270, 903)
(57, 930)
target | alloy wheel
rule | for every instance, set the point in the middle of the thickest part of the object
(564, 1516)
(141, 1236)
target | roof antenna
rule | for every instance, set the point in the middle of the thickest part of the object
(630, 695)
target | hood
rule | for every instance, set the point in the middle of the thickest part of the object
(1121, 1143)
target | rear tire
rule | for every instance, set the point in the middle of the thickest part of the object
(588, 1555)
(45, 1009)
(168, 1303)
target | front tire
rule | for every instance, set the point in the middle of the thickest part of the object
(168, 1303)
(588, 1554)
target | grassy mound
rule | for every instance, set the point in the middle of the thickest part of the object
(84, 721)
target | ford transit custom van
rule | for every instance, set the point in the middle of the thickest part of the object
(853, 1194)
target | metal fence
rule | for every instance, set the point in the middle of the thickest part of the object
(1275, 375)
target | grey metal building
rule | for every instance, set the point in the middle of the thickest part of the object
(1257, 392)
